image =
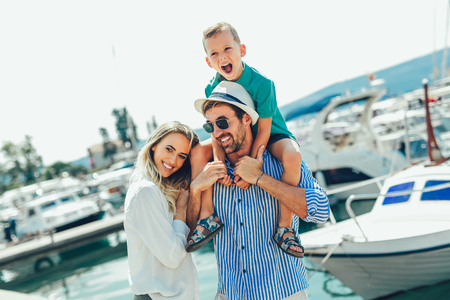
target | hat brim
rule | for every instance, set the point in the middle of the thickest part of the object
(253, 114)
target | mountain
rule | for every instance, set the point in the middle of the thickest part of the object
(399, 79)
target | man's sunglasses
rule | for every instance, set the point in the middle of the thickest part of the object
(220, 123)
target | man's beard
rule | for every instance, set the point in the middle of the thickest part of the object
(238, 141)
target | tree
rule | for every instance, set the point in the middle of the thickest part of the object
(109, 149)
(152, 126)
(126, 129)
(59, 167)
(33, 161)
(23, 162)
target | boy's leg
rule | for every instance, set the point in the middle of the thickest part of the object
(200, 156)
(287, 151)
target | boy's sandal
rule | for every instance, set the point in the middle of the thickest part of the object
(287, 242)
(200, 238)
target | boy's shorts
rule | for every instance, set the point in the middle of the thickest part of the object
(276, 137)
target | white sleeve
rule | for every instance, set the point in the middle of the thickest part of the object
(165, 239)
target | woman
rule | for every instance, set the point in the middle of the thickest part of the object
(155, 217)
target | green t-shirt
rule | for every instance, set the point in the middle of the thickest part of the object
(262, 91)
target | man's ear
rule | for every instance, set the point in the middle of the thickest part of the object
(208, 62)
(243, 50)
(247, 119)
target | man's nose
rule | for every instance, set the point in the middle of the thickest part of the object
(217, 131)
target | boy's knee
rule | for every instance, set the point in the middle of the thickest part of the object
(292, 158)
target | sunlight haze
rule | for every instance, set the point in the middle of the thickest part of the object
(59, 79)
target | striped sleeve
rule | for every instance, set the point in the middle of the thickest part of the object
(316, 197)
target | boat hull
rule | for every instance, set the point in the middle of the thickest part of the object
(91, 218)
(375, 276)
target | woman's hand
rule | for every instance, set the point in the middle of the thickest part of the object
(181, 205)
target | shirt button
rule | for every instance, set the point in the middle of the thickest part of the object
(243, 247)
(239, 200)
(242, 224)
(245, 270)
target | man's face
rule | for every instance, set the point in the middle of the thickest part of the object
(233, 138)
(224, 55)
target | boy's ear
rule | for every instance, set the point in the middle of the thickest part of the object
(243, 50)
(208, 62)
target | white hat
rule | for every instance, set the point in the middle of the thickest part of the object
(232, 93)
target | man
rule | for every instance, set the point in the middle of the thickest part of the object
(251, 264)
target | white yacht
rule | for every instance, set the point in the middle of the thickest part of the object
(402, 243)
(59, 211)
(340, 146)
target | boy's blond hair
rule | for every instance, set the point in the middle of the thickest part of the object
(219, 28)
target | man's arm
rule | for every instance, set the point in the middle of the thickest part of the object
(212, 172)
(294, 198)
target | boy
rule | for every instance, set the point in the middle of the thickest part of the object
(224, 54)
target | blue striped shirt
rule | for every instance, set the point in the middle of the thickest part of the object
(248, 260)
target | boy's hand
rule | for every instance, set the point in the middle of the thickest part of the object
(241, 182)
(226, 181)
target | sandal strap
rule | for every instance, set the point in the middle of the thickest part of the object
(279, 237)
(197, 236)
(209, 223)
(290, 241)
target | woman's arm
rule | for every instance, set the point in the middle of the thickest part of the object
(148, 217)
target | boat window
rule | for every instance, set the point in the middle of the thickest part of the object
(66, 199)
(342, 125)
(343, 175)
(404, 187)
(441, 194)
(48, 205)
(31, 212)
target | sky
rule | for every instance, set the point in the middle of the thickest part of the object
(60, 79)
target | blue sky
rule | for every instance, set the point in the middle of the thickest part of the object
(59, 80)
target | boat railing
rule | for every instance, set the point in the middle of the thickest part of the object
(352, 198)
(378, 180)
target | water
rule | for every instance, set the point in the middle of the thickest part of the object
(98, 271)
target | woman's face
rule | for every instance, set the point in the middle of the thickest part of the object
(170, 153)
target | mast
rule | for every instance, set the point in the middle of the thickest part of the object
(434, 153)
(444, 58)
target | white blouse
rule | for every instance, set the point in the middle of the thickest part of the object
(158, 264)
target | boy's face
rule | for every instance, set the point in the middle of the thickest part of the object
(224, 55)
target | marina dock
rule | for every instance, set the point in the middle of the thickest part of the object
(78, 236)
(18, 296)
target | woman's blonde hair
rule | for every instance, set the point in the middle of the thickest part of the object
(146, 168)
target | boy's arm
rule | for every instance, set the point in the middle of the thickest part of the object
(262, 136)
(218, 153)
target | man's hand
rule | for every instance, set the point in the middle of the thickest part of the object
(241, 183)
(212, 172)
(249, 169)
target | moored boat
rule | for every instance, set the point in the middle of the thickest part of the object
(402, 243)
